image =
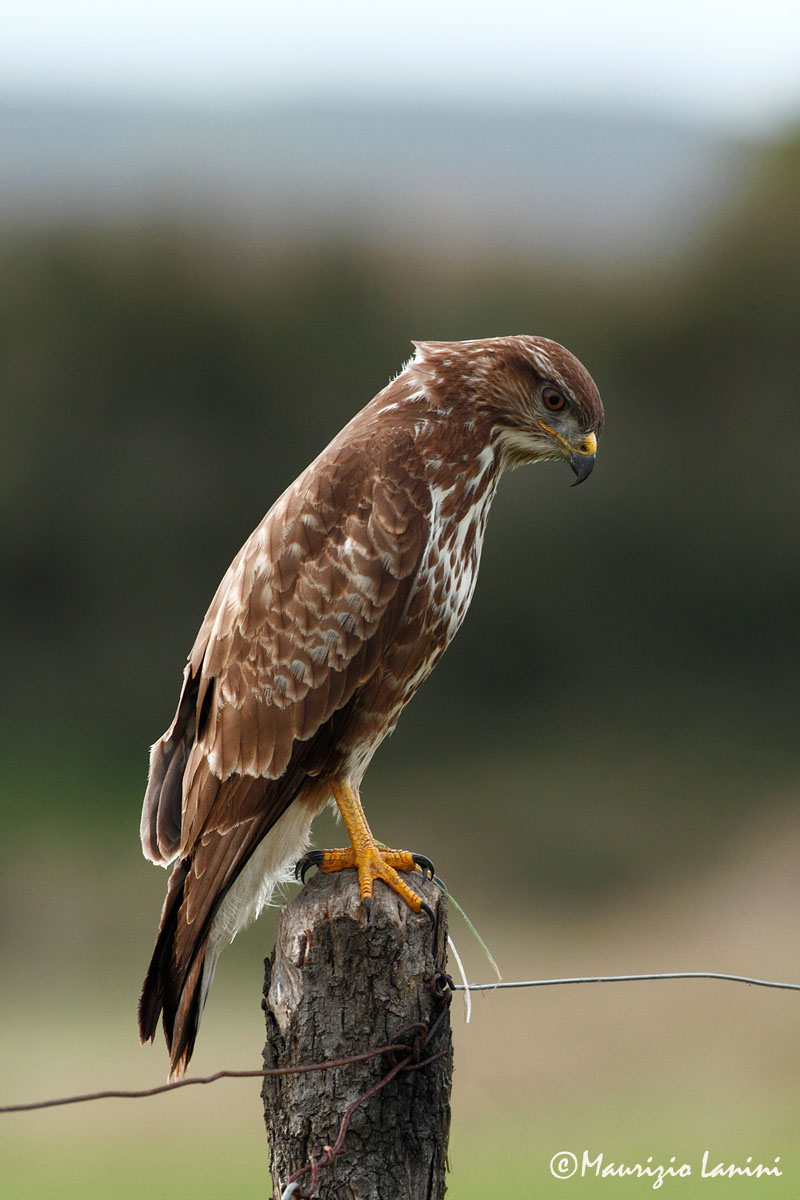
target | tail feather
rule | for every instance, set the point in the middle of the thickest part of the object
(186, 1021)
(213, 893)
(185, 955)
(171, 992)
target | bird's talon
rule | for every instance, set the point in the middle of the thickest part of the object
(373, 861)
(426, 908)
(312, 859)
(425, 865)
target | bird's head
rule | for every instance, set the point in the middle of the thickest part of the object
(541, 401)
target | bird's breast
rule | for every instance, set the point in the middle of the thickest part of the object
(436, 605)
(450, 570)
(444, 583)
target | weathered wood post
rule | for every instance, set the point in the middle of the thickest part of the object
(337, 985)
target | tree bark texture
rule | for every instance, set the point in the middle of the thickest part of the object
(338, 984)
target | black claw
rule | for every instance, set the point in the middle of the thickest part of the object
(368, 906)
(438, 879)
(312, 859)
(426, 908)
(425, 865)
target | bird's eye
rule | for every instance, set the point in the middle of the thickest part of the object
(553, 399)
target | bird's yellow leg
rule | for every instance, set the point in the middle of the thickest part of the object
(366, 856)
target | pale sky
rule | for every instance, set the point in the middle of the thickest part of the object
(720, 60)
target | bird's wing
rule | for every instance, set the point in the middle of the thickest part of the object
(298, 624)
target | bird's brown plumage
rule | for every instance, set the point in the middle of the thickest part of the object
(334, 611)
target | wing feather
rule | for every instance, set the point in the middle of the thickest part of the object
(298, 624)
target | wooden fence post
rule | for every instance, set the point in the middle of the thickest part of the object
(337, 985)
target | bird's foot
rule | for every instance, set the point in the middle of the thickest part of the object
(373, 862)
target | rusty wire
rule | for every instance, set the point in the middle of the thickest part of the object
(141, 1094)
(405, 1053)
(365, 1055)
(392, 1047)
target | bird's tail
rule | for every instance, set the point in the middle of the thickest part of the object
(212, 894)
(172, 990)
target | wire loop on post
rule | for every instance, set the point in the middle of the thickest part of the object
(403, 1056)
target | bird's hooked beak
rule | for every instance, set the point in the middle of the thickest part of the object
(581, 457)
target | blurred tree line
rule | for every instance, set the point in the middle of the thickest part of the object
(161, 386)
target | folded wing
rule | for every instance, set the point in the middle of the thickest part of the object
(299, 624)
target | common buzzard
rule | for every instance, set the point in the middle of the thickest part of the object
(334, 611)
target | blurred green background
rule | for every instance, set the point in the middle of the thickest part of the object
(604, 767)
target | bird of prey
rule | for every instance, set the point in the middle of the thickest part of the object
(329, 618)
